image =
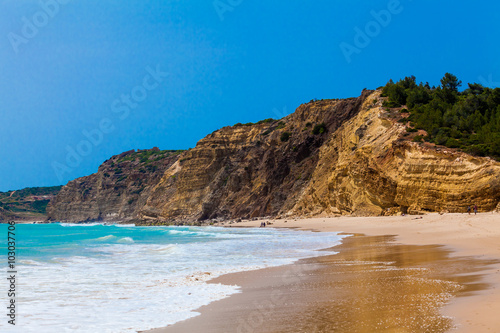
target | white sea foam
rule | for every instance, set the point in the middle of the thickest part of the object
(179, 232)
(119, 225)
(126, 240)
(105, 238)
(80, 224)
(30, 262)
(130, 286)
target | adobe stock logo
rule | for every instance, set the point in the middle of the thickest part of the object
(121, 107)
(372, 29)
(31, 26)
(488, 82)
(281, 114)
(223, 6)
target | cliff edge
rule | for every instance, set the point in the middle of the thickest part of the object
(351, 156)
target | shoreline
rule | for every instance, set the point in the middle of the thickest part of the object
(471, 237)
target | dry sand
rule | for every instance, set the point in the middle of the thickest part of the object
(459, 249)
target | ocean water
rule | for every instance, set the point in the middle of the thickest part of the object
(125, 278)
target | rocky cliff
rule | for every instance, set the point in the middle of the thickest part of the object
(371, 166)
(329, 157)
(116, 192)
(249, 170)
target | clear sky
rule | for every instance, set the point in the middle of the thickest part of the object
(83, 80)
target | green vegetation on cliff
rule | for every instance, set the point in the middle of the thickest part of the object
(147, 155)
(469, 120)
(28, 203)
(118, 189)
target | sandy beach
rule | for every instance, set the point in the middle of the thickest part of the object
(430, 273)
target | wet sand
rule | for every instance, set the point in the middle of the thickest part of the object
(444, 277)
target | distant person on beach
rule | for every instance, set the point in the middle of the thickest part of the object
(468, 209)
(475, 209)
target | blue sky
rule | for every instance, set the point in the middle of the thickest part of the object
(81, 81)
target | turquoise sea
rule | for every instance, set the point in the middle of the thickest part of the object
(125, 278)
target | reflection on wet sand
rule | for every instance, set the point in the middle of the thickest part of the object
(371, 285)
(374, 285)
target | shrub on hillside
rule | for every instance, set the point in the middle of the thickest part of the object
(285, 136)
(319, 129)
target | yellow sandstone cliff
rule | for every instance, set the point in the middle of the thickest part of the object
(329, 157)
(249, 170)
(368, 167)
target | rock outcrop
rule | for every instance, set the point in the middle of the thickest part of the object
(370, 167)
(249, 170)
(329, 157)
(116, 192)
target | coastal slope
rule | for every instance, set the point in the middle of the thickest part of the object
(330, 157)
(116, 192)
(26, 205)
(249, 170)
(371, 166)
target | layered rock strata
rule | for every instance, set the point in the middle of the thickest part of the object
(370, 166)
(116, 192)
(329, 157)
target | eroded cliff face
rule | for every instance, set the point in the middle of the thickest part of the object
(116, 192)
(329, 157)
(370, 166)
(249, 170)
